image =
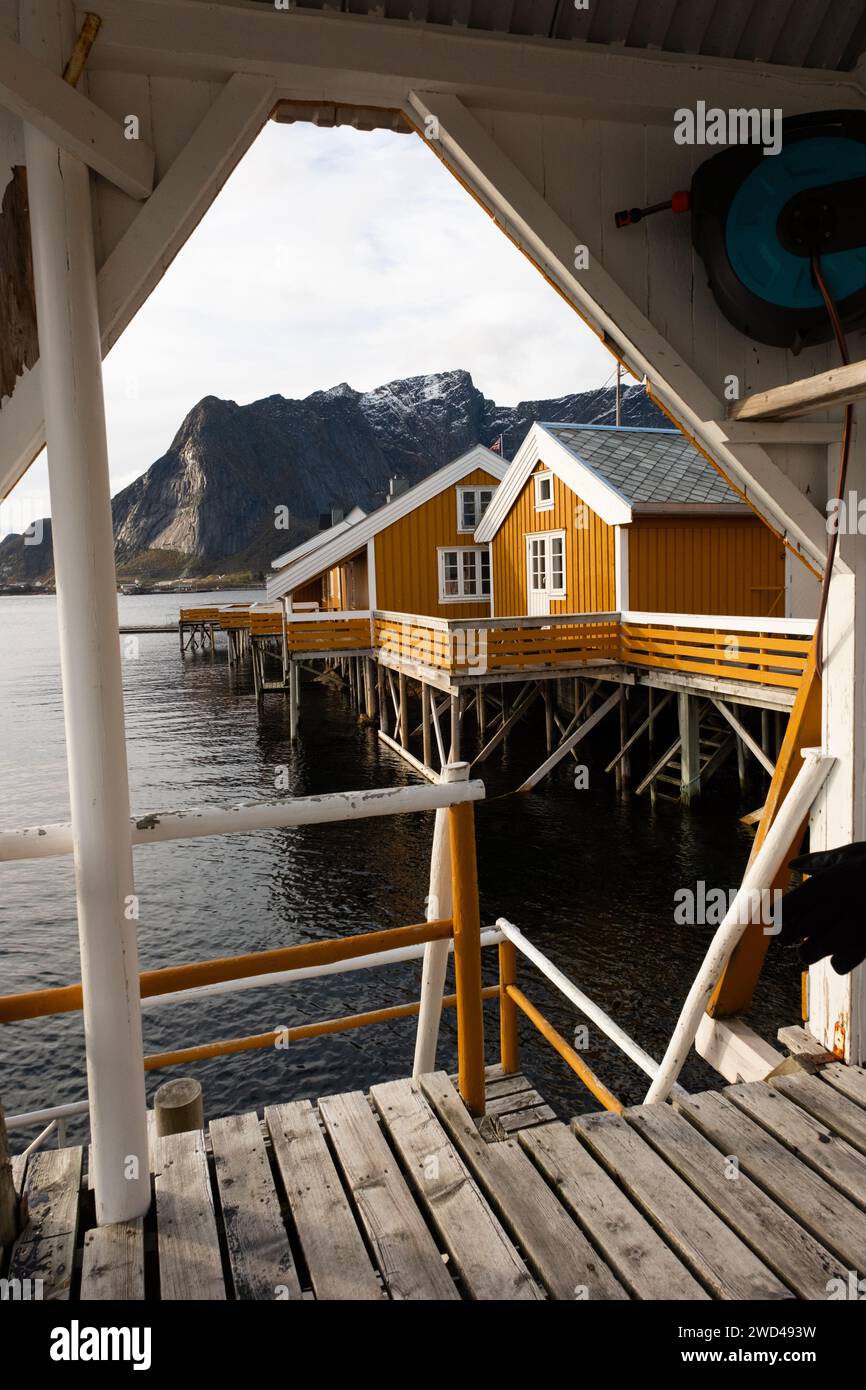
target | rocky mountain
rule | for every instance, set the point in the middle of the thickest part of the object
(207, 507)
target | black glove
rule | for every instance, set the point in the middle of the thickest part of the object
(826, 915)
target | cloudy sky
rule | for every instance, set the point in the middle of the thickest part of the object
(331, 256)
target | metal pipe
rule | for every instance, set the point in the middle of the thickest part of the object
(580, 1000)
(759, 875)
(61, 228)
(42, 842)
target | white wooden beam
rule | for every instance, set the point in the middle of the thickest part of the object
(736, 1051)
(529, 220)
(140, 259)
(365, 60)
(743, 733)
(70, 120)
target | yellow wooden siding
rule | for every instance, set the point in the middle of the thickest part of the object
(407, 561)
(706, 565)
(590, 566)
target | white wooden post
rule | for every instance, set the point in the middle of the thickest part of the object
(71, 370)
(439, 905)
(837, 1003)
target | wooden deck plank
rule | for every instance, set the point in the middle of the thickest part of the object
(828, 1106)
(510, 1104)
(718, 1257)
(483, 1255)
(112, 1266)
(190, 1263)
(409, 1260)
(337, 1259)
(851, 1081)
(45, 1249)
(630, 1245)
(805, 1136)
(800, 1261)
(262, 1265)
(831, 1218)
(516, 1121)
(556, 1250)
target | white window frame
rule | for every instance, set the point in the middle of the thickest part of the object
(460, 550)
(543, 504)
(547, 537)
(477, 489)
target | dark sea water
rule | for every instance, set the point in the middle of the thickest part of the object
(589, 878)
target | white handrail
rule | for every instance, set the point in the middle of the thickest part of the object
(758, 876)
(490, 937)
(580, 1000)
(43, 841)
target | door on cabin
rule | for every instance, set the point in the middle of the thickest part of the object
(545, 571)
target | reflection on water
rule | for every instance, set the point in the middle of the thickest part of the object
(590, 879)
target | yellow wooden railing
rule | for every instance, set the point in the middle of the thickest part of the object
(463, 647)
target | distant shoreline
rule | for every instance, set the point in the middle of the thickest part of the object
(146, 590)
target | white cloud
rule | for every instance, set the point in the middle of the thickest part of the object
(331, 255)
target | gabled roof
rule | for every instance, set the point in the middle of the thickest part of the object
(617, 470)
(342, 543)
(289, 556)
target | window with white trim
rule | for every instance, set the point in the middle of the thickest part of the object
(544, 492)
(546, 563)
(464, 574)
(472, 503)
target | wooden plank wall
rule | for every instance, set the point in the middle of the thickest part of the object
(717, 565)
(589, 554)
(407, 574)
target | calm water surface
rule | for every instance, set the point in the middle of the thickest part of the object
(589, 878)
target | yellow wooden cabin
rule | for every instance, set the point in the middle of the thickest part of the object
(594, 518)
(416, 554)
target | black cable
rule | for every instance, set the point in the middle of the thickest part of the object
(842, 344)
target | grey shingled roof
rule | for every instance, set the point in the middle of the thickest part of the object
(646, 465)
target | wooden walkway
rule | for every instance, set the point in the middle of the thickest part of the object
(754, 1192)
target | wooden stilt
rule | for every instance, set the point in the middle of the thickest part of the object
(567, 744)
(293, 700)
(690, 747)
(454, 754)
(384, 721)
(623, 766)
(481, 707)
(548, 716)
(403, 714)
(425, 723)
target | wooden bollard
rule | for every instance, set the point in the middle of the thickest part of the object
(178, 1106)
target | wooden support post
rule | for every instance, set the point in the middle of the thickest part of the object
(454, 753)
(623, 767)
(403, 715)
(425, 724)
(741, 764)
(178, 1106)
(548, 716)
(61, 234)
(293, 699)
(369, 687)
(9, 1205)
(384, 720)
(689, 710)
(765, 735)
(568, 743)
(481, 710)
(439, 907)
(508, 1043)
(467, 957)
(651, 712)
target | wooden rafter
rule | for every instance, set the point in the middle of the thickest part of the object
(813, 393)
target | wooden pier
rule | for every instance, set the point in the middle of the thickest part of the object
(756, 1192)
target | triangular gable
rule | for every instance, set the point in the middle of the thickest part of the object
(324, 557)
(588, 485)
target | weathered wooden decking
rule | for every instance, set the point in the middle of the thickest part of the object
(755, 1192)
